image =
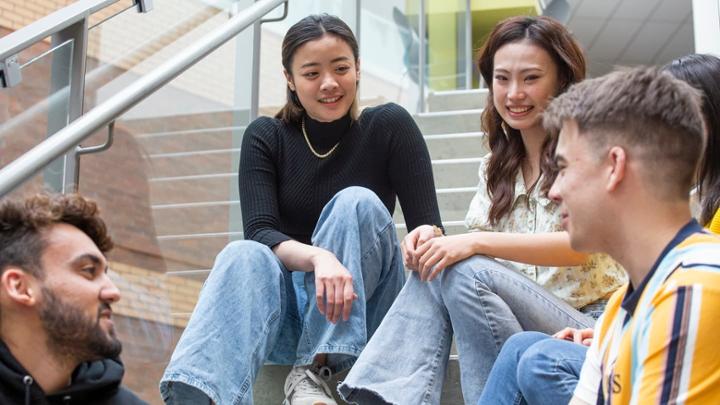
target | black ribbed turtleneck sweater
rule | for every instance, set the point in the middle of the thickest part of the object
(284, 187)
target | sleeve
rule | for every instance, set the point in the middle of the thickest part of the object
(257, 180)
(410, 169)
(681, 362)
(477, 215)
(590, 379)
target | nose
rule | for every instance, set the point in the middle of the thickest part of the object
(109, 291)
(554, 192)
(328, 83)
(516, 90)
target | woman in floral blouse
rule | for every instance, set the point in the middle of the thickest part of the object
(515, 270)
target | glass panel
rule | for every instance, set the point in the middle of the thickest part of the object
(171, 198)
(388, 72)
(37, 107)
(126, 45)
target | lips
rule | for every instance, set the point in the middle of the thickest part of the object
(518, 110)
(105, 311)
(330, 100)
(564, 220)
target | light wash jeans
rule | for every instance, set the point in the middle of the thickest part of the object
(534, 369)
(479, 300)
(252, 309)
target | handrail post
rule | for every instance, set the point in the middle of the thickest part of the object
(255, 85)
(421, 58)
(63, 174)
(468, 45)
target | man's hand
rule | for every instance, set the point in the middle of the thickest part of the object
(579, 336)
(333, 288)
(439, 253)
(412, 241)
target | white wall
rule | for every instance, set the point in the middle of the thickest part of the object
(706, 20)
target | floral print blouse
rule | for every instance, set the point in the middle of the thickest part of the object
(534, 213)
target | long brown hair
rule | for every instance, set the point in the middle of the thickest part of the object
(508, 152)
(309, 29)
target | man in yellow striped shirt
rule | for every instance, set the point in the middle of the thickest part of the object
(628, 146)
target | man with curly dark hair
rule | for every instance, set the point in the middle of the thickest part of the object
(57, 339)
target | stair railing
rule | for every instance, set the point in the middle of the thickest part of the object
(67, 138)
(67, 26)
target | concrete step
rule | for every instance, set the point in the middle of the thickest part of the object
(444, 122)
(195, 251)
(184, 188)
(204, 152)
(457, 100)
(196, 140)
(214, 216)
(185, 122)
(269, 386)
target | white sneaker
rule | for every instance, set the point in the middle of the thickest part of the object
(307, 385)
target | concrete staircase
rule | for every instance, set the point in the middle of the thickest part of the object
(192, 165)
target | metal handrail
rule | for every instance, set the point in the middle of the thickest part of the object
(27, 36)
(64, 140)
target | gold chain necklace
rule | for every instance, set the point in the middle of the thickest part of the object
(318, 155)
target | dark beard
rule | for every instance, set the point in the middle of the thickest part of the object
(72, 335)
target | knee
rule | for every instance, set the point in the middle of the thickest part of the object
(359, 199)
(478, 270)
(536, 364)
(245, 259)
(521, 342)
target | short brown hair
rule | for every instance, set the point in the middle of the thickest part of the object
(23, 222)
(656, 116)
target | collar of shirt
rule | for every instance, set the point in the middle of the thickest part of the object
(632, 296)
(535, 194)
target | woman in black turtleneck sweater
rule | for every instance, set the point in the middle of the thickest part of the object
(321, 263)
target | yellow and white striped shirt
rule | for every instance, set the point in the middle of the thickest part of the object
(659, 343)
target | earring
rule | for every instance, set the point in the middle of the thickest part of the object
(505, 130)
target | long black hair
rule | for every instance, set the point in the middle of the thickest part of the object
(703, 73)
(309, 29)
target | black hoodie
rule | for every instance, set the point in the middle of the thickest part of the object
(94, 383)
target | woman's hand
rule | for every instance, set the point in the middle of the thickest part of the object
(412, 241)
(333, 287)
(439, 253)
(579, 336)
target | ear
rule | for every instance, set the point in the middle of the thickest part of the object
(19, 286)
(289, 79)
(617, 159)
(357, 69)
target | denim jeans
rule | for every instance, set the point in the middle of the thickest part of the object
(481, 302)
(252, 309)
(533, 368)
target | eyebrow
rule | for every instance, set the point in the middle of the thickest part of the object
(338, 59)
(521, 71)
(88, 257)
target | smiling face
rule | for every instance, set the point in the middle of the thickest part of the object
(76, 295)
(524, 79)
(324, 75)
(579, 189)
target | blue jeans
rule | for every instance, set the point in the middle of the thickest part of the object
(478, 300)
(252, 309)
(534, 368)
